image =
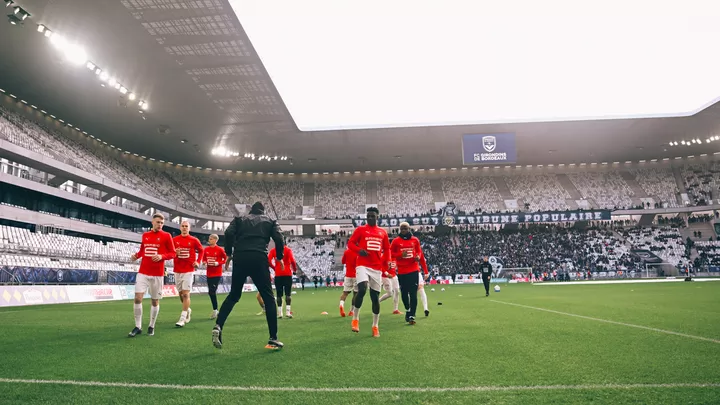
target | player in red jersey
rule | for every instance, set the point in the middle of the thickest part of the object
(422, 279)
(391, 286)
(283, 279)
(349, 260)
(406, 251)
(156, 247)
(214, 256)
(189, 252)
(371, 244)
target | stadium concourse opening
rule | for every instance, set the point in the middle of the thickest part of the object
(451, 225)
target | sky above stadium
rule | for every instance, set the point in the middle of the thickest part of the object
(379, 63)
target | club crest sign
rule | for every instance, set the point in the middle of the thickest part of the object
(489, 143)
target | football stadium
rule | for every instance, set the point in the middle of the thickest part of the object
(406, 202)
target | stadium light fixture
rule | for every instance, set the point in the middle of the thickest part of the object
(112, 81)
(48, 33)
(131, 96)
(40, 28)
(104, 76)
(21, 13)
(9, 3)
(123, 90)
(14, 19)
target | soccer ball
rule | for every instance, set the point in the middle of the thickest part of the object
(497, 288)
(432, 290)
(442, 289)
(294, 292)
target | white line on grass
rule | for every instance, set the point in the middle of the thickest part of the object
(360, 389)
(669, 332)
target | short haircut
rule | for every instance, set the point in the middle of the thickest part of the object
(158, 215)
(373, 209)
(404, 224)
(185, 221)
(213, 236)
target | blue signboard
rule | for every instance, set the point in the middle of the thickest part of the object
(479, 149)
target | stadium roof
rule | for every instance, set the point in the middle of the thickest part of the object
(205, 84)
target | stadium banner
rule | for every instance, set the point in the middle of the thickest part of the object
(90, 293)
(509, 218)
(42, 275)
(22, 295)
(121, 277)
(714, 269)
(480, 149)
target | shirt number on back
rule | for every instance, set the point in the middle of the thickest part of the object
(374, 246)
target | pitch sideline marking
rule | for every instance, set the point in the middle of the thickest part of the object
(669, 332)
(485, 388)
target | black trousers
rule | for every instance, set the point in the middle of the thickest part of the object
(486, 283)
(255, 266)
(408, 291)
(213, 283)
(283, 285)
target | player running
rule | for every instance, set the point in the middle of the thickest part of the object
(283, 279)
(391, 285)
(214, 257)
(156, 247)
(406, 251)
(371, 244)
(189, 252)
(349, 260)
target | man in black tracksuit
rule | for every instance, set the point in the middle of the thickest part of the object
(486, 272)
(249, 236)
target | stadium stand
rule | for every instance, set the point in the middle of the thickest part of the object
(286, 196)
(314, 255)
(472, 194)
(400, 197)
(607, 189)
(658, 183)
(543, 192)
(205, 191)
(708, 254)
(340, 199)
(702, 182)
(666, 243)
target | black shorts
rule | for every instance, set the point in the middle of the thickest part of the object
(283, 285)
(213, 283)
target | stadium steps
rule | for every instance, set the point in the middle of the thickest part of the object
(706, 229)
(680, 185)
(437, 191)
(503, 188)
(223, 185)
(568, 185)
(634, 186)
(309, 195)
(371, 193)
(179, 186)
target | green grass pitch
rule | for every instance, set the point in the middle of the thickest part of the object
(511, 354)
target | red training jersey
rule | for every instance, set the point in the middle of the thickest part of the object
(373, 240)
(188, 250)
(155, 243)
(407, 253)
(392, 269)
(214, 257)
(349, 259)
(288, 261)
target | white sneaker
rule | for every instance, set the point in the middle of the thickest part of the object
(181, 322)
(189, 315)
(288, 315)
(214, 314)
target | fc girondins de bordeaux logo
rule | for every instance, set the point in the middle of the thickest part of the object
(448, 221)
(489, 143)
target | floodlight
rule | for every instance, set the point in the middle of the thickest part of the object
(131, 96)
(40, 28)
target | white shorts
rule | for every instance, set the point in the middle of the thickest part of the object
(184, 281)
(391, 284)
(372, 276)
(151, 284)
(421, 281)
(350, 284)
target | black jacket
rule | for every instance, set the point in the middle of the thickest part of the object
(252, 233)
(486, 268)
